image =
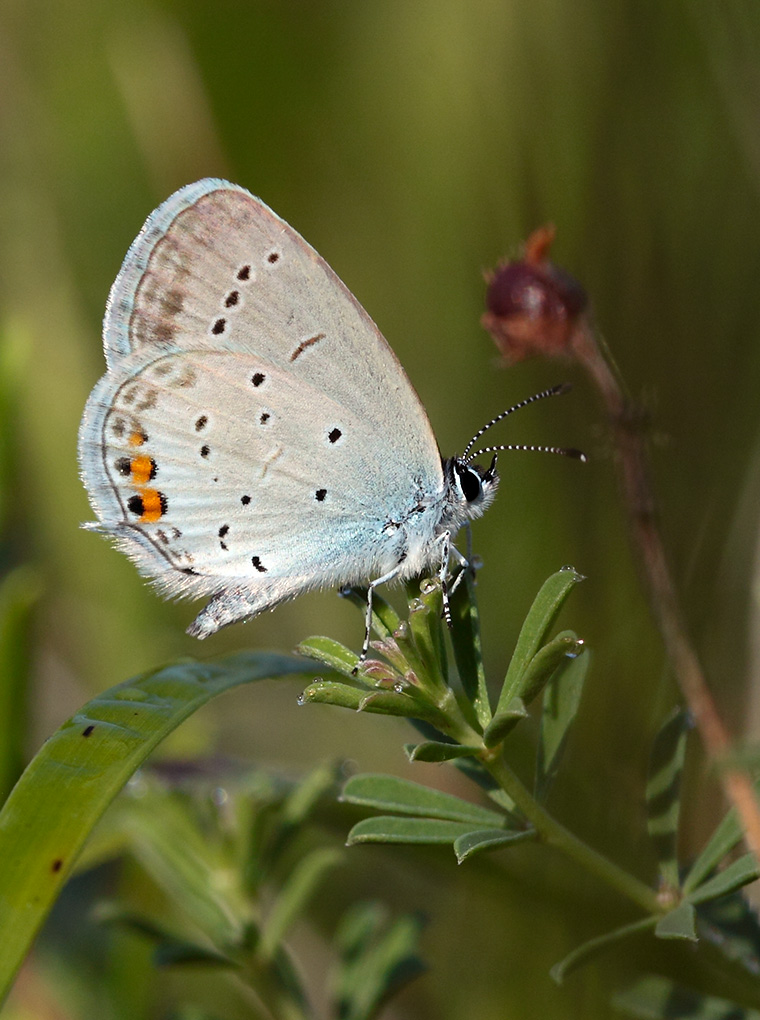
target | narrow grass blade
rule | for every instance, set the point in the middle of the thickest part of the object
(19, 592)
(81, 768)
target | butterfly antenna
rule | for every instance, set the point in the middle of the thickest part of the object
(555, 391)
(563, 451)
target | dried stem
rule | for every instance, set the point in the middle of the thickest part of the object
(627, 433)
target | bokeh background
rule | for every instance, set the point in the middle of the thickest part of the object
(414, 145)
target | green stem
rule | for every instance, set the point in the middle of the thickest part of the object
(556, 835)
(453, 722)
(260, 985)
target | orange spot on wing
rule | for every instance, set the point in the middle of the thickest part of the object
(137, 439)
(141, 470)
(153, 506)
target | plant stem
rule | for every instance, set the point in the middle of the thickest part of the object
(556, 835)
(638, 495)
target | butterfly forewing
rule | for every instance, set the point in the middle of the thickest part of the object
(215, 268)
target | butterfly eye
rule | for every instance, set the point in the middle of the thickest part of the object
(469, 482)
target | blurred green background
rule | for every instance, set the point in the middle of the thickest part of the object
(414, 144)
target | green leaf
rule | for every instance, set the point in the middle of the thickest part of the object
(396, 829)
(81, 768)
(468, 651)
(377, 959)
(437, 750)
(382, 702)
(538, 622)
(657, 998)
(388, 793)
(504, 722)
(426, 628)
(728, 833)
(294, 896)
(731, 924)
(403, 653)
(330, 653)
(170, 948)
(546, 662)
(562, 698)
(664, 793)
(195, 870)
(586, 952)
(739, 873)
(180, 953)
(20, 590)
(679, 923)
(305, 795)
(485, 840)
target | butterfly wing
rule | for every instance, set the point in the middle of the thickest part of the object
(255, 433)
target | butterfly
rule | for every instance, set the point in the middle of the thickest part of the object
(254, 436)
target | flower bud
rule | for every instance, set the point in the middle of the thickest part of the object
(532, 307)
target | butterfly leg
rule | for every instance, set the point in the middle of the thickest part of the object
(368, 618)
(464, 565)
(446, 550)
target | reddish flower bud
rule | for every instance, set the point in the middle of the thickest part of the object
(532, 307)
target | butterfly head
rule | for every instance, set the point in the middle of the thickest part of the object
(474, 487)
(471, 487)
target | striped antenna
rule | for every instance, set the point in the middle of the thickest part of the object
(563, 451)
(555, 391)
